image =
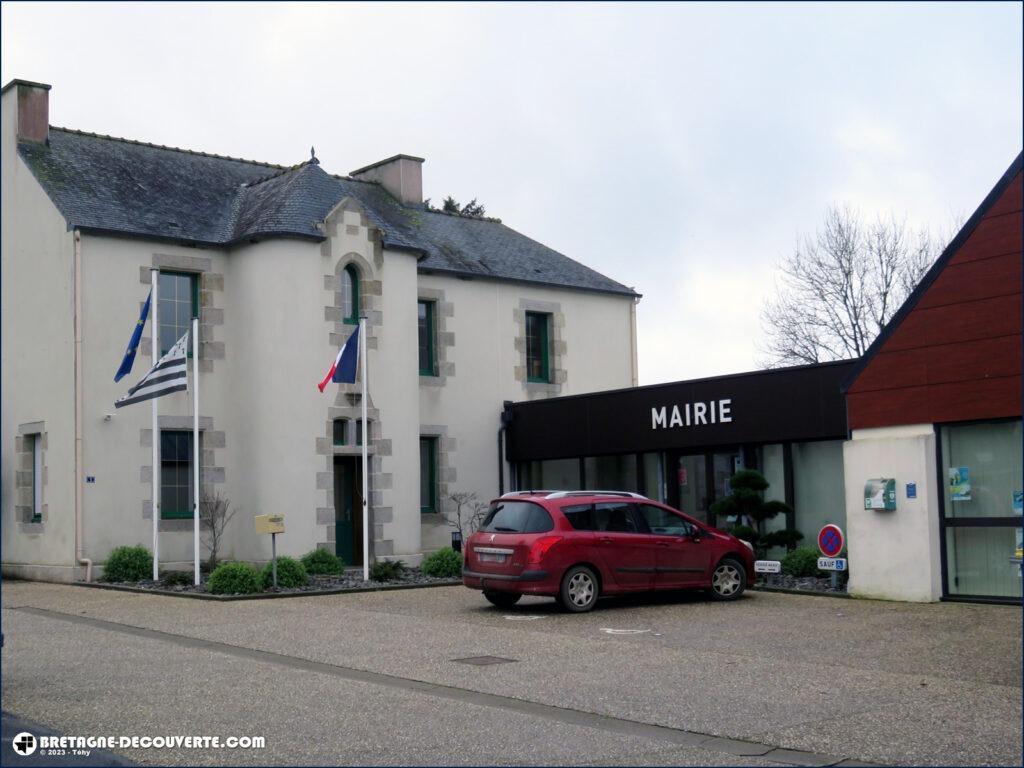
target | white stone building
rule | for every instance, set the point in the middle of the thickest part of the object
(277, 263)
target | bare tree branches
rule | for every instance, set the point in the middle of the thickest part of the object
(840, 287)
(469, 512)
(215, 512)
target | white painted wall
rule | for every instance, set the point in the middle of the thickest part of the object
(894, 555)
(36, 358)
(598, 333)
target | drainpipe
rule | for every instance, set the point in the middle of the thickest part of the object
(80, 558)
(506, 419)
(632, 342)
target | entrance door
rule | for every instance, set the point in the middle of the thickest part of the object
(348, 510)
(691, 485)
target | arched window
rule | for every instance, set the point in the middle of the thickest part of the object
(350, 295)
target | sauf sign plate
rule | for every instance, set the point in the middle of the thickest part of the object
(832, 563)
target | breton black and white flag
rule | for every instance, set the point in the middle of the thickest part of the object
(168, 375)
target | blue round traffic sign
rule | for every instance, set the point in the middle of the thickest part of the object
(830, 540)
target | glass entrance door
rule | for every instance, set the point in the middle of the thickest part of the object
(982, 523)
(692, 486)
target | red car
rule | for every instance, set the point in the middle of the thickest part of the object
(579, 545)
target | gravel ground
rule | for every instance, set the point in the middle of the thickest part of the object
(802, 583)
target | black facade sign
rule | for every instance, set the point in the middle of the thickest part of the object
(786, 404)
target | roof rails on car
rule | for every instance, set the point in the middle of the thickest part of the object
(565, 494)
(510, 494)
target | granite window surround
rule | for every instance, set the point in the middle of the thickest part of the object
(557, 348)
(445, 472)
(212, 473)
(25, 480)
(211, 312)
(444, 339)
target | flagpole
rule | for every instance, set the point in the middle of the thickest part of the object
(366, 442)
(155, 331)
(195, 444)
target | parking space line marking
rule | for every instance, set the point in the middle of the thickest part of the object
(576, 717)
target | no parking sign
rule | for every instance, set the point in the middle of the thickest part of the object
(830, 540)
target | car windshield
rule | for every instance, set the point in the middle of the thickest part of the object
(516, 517)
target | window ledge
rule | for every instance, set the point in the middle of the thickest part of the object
(432, 518)
(431, 381)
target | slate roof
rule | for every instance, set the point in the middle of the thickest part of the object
(128, 188)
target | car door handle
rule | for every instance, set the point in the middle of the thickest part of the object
(606, 540)
(663, 544)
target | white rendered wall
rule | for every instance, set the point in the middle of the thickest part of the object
(598, 336)
(894, 555)
(37, 361)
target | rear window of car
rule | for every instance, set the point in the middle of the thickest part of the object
(517, 517)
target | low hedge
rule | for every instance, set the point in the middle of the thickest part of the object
(387, 570)
(290, 573)
(322, 562)
(234, 579)
(802, 561)
(444, 564)
(128, 564)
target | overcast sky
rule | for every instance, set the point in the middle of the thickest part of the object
(680, 149)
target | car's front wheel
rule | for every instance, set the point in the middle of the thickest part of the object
(502, 599)
(579, 589)
(729, 580)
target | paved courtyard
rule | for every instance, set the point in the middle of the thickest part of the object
(373, 679)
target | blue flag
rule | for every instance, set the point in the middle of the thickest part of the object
(133, 343)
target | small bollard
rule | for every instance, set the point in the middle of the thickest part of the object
(456, 541)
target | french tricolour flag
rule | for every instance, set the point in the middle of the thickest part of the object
(343, 369)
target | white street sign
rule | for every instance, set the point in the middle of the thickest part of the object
(767, 566)
(832, 563)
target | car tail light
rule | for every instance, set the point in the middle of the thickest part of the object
(540, 547)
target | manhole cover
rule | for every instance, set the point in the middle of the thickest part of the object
(483, 661)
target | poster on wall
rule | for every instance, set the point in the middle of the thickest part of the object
(959, 483)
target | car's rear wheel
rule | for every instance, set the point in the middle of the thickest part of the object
(579, 590)
(502, 599)
(729, 580)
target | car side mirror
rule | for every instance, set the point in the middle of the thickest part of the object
(696, 533)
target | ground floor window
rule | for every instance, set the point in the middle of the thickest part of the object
(819, 488)
(981, 469)
(428, 475)
(37, 477)
(176, 475)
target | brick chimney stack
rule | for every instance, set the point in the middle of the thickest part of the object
(401, 175)
(33, 110)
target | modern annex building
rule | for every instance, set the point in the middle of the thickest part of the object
(277, 264)
(921, 462)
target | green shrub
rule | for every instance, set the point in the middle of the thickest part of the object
(177, 578)
(320, 561)
(802, 561)
(128, 564)
(290, 573)
(387, 570)
(445, 564)
(234, 579)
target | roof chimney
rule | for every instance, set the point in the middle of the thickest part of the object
(401, 175)
(33, 110)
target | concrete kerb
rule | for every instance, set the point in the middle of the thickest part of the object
(262, 595)
(787, 591)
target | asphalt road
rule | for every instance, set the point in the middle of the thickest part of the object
(375, 679)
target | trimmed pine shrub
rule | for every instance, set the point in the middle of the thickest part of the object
(387, 570)
(444, 564)
(128, 564)
(322, 562)
(290, 573)
(234, 579)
